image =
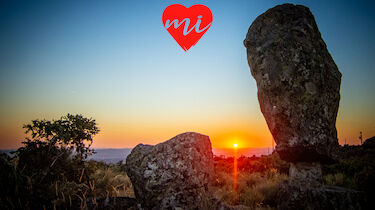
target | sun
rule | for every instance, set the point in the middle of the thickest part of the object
(235, 145)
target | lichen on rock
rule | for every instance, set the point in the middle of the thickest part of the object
(298, 82)
(173, 174)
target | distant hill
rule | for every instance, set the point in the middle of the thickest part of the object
(110, 155)
(106, 155)
(116, 155)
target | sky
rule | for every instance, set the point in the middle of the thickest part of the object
(115, 62)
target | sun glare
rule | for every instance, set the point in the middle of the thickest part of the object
(235, 145)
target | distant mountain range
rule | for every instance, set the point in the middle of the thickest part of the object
(116, 155)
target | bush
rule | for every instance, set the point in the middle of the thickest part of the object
(11, 184)
(50, 171)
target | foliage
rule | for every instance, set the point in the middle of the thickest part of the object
(257, 184)
(25, 190)
(252, 164)
(109, 180)
(46, 167)
(70, 131)
(10, 180)
(355, 173)
(50, 165)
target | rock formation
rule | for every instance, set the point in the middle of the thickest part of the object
(299, 92)
(298, 82)
(173, 174)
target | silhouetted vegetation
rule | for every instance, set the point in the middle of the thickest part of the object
(50, 170)
(356, 173)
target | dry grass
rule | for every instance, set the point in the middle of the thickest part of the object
(110, 183)
(255, 190)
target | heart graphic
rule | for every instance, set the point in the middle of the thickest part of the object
(187, 25)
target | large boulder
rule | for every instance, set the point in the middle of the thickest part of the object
(299, 92)
(174, 174)
(298, 82)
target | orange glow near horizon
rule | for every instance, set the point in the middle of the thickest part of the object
(122, 132)
(235, 169)
(120, 135)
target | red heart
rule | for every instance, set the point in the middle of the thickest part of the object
(187, 25)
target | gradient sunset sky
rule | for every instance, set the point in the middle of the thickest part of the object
(115, 62)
